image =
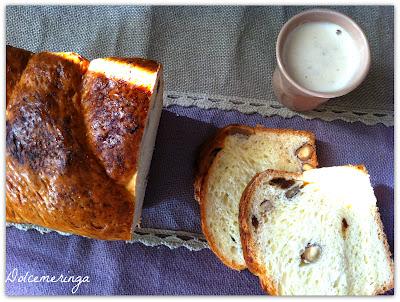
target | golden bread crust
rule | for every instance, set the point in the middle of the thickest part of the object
(16, 61)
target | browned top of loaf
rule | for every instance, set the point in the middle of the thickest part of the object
(53, 178)
(16, 60)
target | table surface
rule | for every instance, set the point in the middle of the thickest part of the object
(207, 51)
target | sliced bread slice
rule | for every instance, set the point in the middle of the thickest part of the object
(227, 163)
(316, 233)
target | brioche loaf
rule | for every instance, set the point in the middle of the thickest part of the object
(315, 233)
(79, 140)
(227, 163)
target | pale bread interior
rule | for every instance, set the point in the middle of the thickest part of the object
(147, 147)
(234, 166)
(336, 210)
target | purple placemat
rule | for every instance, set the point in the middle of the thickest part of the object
(119, 268)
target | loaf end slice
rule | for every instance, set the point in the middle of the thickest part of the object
(315, 233)
(227, 163)
(122, 103)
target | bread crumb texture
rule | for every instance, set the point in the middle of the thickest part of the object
(240, 159)
(335, 212)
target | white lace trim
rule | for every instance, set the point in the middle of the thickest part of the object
(269, 108)
(147, 236)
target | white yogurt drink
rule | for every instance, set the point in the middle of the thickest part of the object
(321, 56)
